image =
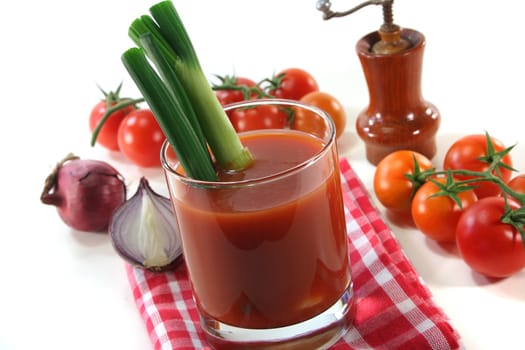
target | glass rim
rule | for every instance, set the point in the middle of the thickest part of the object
(329, 140)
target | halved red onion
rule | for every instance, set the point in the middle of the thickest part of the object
(144, 230)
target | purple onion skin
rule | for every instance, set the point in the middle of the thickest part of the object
(85, 193)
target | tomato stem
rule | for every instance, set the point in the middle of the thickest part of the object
(110, 110)
(418, 177)
(491, 174)
(515, 218)
(272, 83)
(229, 83)
(451, 188)
(479, 176)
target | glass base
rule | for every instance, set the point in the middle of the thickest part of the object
(319, 332)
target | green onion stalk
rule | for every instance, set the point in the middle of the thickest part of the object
(166, 69)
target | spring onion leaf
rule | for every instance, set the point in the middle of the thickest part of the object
(172, 81)
(179, 87)
(191, 152)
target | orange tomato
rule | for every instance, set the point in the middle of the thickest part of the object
(392, 187)
(329, 104)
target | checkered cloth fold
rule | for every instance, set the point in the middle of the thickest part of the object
(395, 309)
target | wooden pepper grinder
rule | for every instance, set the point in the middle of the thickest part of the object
(397, 117)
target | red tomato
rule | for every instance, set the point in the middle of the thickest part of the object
(517, 183)
(391, 185)
(107, 136)
(437, 216)
(260, 117)
(140, 138)
(293, 83)
(227, 96)
(487, 245)
(465, 154)
(328, 104)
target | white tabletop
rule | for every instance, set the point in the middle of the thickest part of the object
(63, 289)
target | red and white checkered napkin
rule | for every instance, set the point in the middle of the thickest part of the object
(395, 310)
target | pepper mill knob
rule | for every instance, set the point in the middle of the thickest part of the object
(391, 42)
(390, 33)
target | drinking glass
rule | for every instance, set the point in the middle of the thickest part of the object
(266, 248)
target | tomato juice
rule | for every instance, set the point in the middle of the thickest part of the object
(263, 250)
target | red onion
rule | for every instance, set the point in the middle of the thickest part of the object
(144, 230)
(85, 192)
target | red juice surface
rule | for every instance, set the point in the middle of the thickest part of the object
(272, 254)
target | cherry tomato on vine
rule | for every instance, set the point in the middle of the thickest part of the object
(107, 136)
(293, 83)
(260, 117)
(327, 103)
(140, 138)
(487, 245)
(437, 216)
(465, 154)
(227, 96)
(517, 183)
(392, 187)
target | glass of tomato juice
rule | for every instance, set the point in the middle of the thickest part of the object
(266, 248)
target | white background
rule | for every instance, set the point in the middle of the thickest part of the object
(62, 289)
